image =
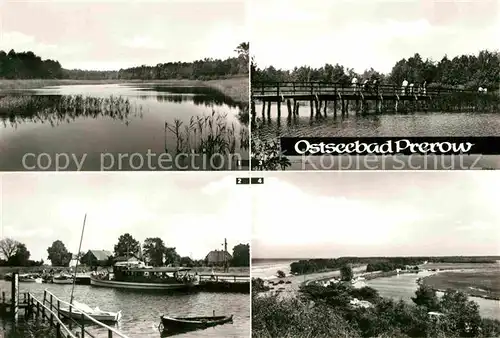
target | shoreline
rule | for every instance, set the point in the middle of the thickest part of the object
(236, 88)
(235, 270)
(421, 281)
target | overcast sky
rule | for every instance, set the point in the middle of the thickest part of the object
(330, 214)
(361, 34)
(109, 35)
(190, 212)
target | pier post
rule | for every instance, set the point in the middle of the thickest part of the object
(335, 108)
(347, 107)
(279, 107)
(324, 107)
(318, 109)
(343, 107)
(269, 110)
(263, 110)
(295, 107)
(289, 107)
(15, 296)
(252, 108)
(311, 105)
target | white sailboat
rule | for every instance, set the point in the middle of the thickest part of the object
(76, 309)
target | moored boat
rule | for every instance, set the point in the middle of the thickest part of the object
(96, 313)
(193, 323)
(62, 279)
(27, 278)
(145, 278)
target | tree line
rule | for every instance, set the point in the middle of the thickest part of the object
(153, 251)
(463, 71)
(380, 263)
(27, 65)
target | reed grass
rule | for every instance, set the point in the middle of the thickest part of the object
(59, 109)
(208, 134)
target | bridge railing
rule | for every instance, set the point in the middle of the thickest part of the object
(57, 306)
(60, 326)
(332, 88)
(225, 278)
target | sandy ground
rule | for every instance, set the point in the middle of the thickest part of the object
(295, 281)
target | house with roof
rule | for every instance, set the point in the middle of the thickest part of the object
(131, 259)
(218, 257)
(97, 258)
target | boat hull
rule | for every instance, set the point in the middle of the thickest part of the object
(193, 323)
(112, 317)
(138, 286)
(62, 281)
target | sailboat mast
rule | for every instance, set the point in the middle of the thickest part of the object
(76, 266)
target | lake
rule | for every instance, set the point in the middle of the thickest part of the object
(116, 127)
(373, 125)
(141, 312)
(404, 286)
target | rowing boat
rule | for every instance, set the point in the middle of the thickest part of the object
(183, 323)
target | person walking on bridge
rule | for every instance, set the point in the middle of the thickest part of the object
(403, 87)
(354, 84)
(375, 86)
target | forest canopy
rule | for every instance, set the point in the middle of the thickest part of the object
(464, 71)
(27, 65)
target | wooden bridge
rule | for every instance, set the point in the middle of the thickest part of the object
(320, 94)
(224, 282)
(48, 310)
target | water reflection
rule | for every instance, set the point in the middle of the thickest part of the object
(372, 125)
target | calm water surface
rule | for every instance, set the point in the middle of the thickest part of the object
(404, 286)
(141, 312)
(134, 123)
(373, 125)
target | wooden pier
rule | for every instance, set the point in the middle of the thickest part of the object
(319, 95)
(48, 310)
(224, 283)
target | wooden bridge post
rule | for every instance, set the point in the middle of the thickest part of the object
(27, 310)
(279, 100)
(311, 104)
(263, 109)
(14, 309)
(316, 104)
(269, 110)
(83, 325)
(51, 308)
(252, 108)
(324, 107)
(295, 107)
(289, 107)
